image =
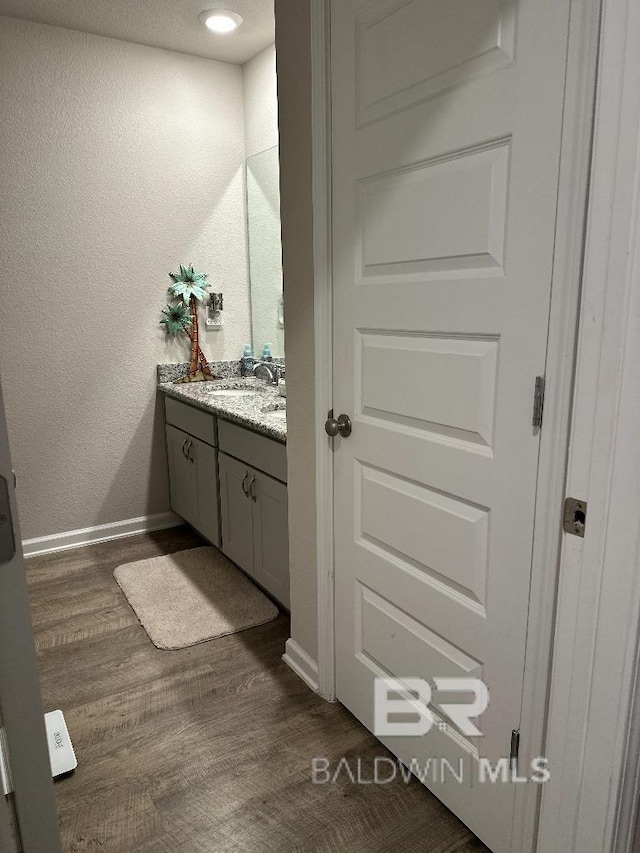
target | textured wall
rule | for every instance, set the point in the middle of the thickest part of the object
(261, 102)
(294, 97)
(118, 163)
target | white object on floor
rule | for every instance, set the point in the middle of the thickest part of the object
(63, 758)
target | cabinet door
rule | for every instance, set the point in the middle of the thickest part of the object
(180, 473)
(271, 535)
(205, 489)
(236, 511)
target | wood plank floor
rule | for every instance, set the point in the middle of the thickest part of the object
(206, 749)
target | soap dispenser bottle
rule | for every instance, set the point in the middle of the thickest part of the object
(246, 362)
(266, 353)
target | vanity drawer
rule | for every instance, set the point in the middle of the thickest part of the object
(200, 424)
(256, 450)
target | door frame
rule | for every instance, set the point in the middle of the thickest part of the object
(552, 551)
(323, 339)
(593, 731)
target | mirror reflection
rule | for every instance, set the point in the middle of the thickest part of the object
(265, 252)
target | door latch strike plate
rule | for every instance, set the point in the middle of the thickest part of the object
(574, 517)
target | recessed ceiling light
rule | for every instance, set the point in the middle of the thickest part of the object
(220, 20)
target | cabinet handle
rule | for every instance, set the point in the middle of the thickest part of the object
(244, 484)
(252, 489)
(184, 444)
(189, 456)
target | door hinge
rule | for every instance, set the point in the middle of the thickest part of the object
(538, 402)
(7, 538)
(515, 749)
(574, 517)
(6, 785)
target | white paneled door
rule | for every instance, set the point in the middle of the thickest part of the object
(445, 155)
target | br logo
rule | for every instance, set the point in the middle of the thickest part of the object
(411, 697)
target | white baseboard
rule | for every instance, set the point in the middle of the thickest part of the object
(100, 533)
(303, 665)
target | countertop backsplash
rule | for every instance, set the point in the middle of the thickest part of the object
(223, 369)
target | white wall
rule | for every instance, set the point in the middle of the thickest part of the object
(118, 163)
(294, 103)
(261, 102)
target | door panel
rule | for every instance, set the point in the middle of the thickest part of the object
(411, 52)
(444, 538)
(390, 364)
(205, 490)
(180, 473)
(35, 820)
(445, 155)
(456, 205)
(236, 510)
(271, 536)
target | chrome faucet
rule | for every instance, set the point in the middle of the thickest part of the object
(274, 371)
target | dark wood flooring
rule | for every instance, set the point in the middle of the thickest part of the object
(206, 749)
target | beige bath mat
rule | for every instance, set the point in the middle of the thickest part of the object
(192, 596)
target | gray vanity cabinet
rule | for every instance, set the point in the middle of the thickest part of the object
(229, 483)
(193, 482)
(193, 475)
(180, 472)
(205, 490)
(236, 511)
(271, 536)
(254, 520)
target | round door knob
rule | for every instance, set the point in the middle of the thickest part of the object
(331, 427)
(341, 425)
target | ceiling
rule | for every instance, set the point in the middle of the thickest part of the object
(171, 24)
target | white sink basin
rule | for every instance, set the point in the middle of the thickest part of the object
(233, 392)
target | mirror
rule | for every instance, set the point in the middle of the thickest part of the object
(265, 252)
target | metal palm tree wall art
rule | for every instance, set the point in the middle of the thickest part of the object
(181, 316)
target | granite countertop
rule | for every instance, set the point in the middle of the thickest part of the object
(254, 411)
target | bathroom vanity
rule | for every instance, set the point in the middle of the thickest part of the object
(226, 440)
(226, 451)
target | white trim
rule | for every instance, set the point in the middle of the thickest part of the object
(299, 661)
(323, 343)
(596, 642)
(629, 812)
(575, 158)
(99, 533)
